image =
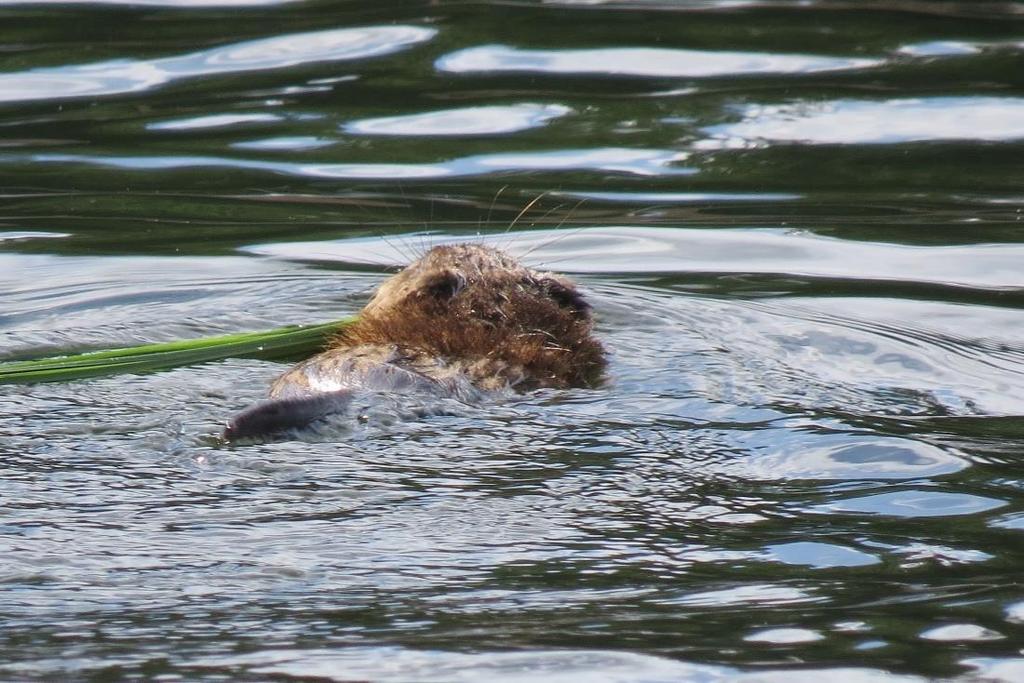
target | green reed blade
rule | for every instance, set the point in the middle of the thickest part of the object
(284, 342)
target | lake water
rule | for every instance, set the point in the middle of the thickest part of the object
(801, 225)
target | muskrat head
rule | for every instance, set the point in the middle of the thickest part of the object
(470, 302)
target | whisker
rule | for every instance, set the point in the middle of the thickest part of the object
(409, 250)
(548, 243)
(398, 249)
(408, 203)
(569, 214)
(392, 222)
(544, 264)
(494, 200)
(424, 245)
(548, 213)
(525, 209)
(507, 245)
(559, 237)
(410, 246)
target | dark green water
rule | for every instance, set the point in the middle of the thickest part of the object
(802, 229)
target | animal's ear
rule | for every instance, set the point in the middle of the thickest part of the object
(566, 295)
(444, 285)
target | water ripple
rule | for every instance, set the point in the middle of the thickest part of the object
(941, 48)
(819, 555)
(850, 122)
(806, 452)
(287, 144)
(639, 61)
(784, 636)
(741, 251)
(215, 121)
(645, 162)
(961, 633)
(393, 664)
(126, 75)
(748, 596)
(483, 120)
(915, 503)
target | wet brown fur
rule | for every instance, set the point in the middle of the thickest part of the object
(473, 311)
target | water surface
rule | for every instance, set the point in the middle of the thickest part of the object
(800, 225)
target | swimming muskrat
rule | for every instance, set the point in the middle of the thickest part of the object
(461, 321)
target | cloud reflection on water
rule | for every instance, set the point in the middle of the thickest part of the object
(641, 61)
(850, 122)
(488, 120)
(129, 75)
(645, 162)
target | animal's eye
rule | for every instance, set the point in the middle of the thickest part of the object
(566, 296)
(444, 285)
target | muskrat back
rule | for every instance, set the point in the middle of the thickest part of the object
(461, 321)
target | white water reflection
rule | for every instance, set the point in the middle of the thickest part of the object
(1012, 521)
(819, 555)
(214, 121)
(747, 596)
(961, 633)
(1015, 613)
(784, 636)
(629, 249)
(67, 303)
(746, 250)
(996, 669)
(14, 236)
(645, 162)
(915, 504)
(285, 143)
(127, 75)
(489, 120)
(641, 61)
(394, 664)
(940, 48)
(869, 122)
(792, 454)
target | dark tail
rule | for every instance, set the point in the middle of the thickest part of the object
(281, 415)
